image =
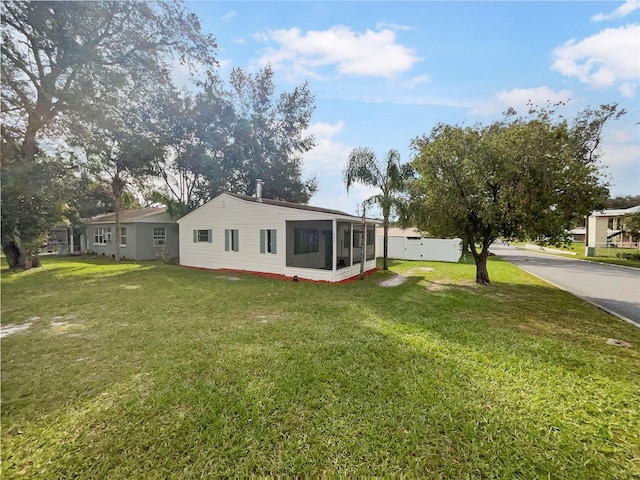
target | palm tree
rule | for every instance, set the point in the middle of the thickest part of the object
(363, 167)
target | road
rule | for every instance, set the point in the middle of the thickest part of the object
(613, 288)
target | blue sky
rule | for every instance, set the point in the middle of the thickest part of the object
(385, 72)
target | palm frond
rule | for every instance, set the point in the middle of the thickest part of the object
(362, 167)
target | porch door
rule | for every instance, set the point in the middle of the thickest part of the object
(328, 249)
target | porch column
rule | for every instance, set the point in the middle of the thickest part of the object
(334, 226)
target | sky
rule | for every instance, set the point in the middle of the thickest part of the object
(384, 73)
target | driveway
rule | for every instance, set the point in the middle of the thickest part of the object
(613, 288)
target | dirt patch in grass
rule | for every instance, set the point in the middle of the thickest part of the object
(394, 281)
(10, 329)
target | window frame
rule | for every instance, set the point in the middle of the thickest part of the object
(231, 240)
(159, 240)
(123, 236)
(269, 241)
(202, 235)
(100, 236)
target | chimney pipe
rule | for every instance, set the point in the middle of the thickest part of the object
(259, 190)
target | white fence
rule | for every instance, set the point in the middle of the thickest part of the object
(433, 249)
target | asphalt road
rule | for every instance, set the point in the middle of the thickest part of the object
(613, 288)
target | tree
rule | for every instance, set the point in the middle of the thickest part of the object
(225, 140)
(198, 134)
(526, 177)
(63, 58)
(269, 137)
(632, 226)
(34, 196)
(121, 146)
(390, 177)
(626, 201)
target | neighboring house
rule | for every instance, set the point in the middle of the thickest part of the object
(409, 244)
(269, 236)
(606, 228)
(145, 234)
(62, 240)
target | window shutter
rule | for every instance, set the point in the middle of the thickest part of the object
(210, 236)
(237, 245)
(262, 241)
(195, 236)
(274, 241)
(226, 240)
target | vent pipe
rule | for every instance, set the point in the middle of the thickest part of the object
(259, 190)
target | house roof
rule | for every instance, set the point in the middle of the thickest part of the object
(616, 212)
(297, 206)
(127, 216)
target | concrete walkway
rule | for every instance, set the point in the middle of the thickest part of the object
(613, 288)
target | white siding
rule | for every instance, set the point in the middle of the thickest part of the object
(248, 217)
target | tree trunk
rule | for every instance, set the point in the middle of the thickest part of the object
(385, 247)
(482, 275)
(362, 242)
(14, 256)
(117, 192)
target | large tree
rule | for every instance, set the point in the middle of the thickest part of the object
(389, 176)
(225, 138)
(527, 177)
(269, 137)
(63, 58)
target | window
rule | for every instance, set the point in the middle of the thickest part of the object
(232, 240)
(159, 236)
(100, 236)
(202, 236)
(123, 237)
(268, 241)
(305, 240)
(356, 238)
(371, 235)
(371, 242)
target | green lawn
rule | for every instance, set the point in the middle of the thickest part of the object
(155, 371)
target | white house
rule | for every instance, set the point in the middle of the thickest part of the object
(269, 236)
(409, 244)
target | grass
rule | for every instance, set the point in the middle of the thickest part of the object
(145, 370)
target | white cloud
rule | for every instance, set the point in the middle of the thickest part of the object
(606, 59)
(413, 82)
(372, 54)
(393, 26)
(519, 98)
(228, 16)
(622, 11)
(620, 154)
(328, 155)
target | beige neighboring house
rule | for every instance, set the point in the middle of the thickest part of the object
(605, 228)
(145, 234)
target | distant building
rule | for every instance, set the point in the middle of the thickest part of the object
(607, 228)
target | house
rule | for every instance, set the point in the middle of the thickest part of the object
(605, 228)
(145, 234)
(62, 239)
(410, 244)
(260, 235)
